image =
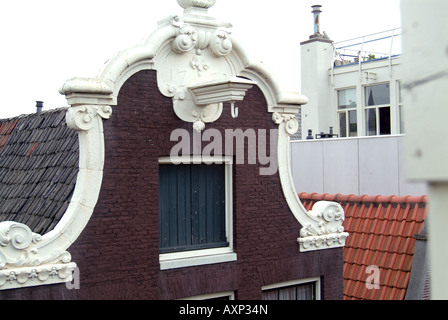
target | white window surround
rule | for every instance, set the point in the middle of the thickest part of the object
(206, 256)
(316, 280)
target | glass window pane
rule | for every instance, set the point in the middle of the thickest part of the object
(347, 98)
(305, 292)
(377, 95)
(353, 123)
(270, 295)
(384, 120)
(371, 122)
(401, 119)
(288, 293)
(343, 124)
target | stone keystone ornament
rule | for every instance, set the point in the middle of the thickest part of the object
(196, 3)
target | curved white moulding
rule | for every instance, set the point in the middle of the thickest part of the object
(29, 259)
(322, 226)
(186, 51)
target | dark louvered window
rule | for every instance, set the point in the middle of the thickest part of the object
(192, 207)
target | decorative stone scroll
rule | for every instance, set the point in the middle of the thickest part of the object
(24, 263)
(30, 259)
(322, 226)
(328, 231)
(81, 118)
(292, 125)
(197, 54)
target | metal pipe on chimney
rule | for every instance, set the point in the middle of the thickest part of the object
(316, 11)
(39, 106)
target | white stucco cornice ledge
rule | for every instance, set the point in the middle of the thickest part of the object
(79, 91)
(86, 85)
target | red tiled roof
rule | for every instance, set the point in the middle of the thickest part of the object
(381, 234)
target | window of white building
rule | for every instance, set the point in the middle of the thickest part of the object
(347, 113)
(400, 108)
(377, 109)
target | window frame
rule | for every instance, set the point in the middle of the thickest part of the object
(400, 108)
(377, 108)
(346, 111)
(314, 280)
(230, 295)
(205, 256)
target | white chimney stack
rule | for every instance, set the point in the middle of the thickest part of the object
(316, 11)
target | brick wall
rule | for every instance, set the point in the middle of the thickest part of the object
(118, 252)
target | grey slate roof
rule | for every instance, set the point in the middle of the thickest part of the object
(39, 158)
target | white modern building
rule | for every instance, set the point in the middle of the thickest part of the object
(352, 128)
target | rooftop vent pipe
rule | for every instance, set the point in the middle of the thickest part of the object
(39, 106)
(316, 11)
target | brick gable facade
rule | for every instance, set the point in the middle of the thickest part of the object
(118, 252)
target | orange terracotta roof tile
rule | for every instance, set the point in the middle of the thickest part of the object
(381, 232)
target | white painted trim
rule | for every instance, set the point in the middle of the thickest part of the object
(322, 226)
(196, 258)
(23, 252)
(90, 99)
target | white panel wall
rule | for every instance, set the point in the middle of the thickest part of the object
(379, 161)
(307, 163)
(367, 165)
(340, 166)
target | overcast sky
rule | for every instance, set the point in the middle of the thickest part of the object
(45, 42)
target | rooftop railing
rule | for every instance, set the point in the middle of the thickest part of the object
(376, 46)
(380, 45)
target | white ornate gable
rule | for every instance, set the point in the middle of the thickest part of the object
(193, 54)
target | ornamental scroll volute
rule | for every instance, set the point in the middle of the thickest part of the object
(22, 262)
(196, 54)
(83, 117)
(322, 226)
(16, 242)
(328, 232)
